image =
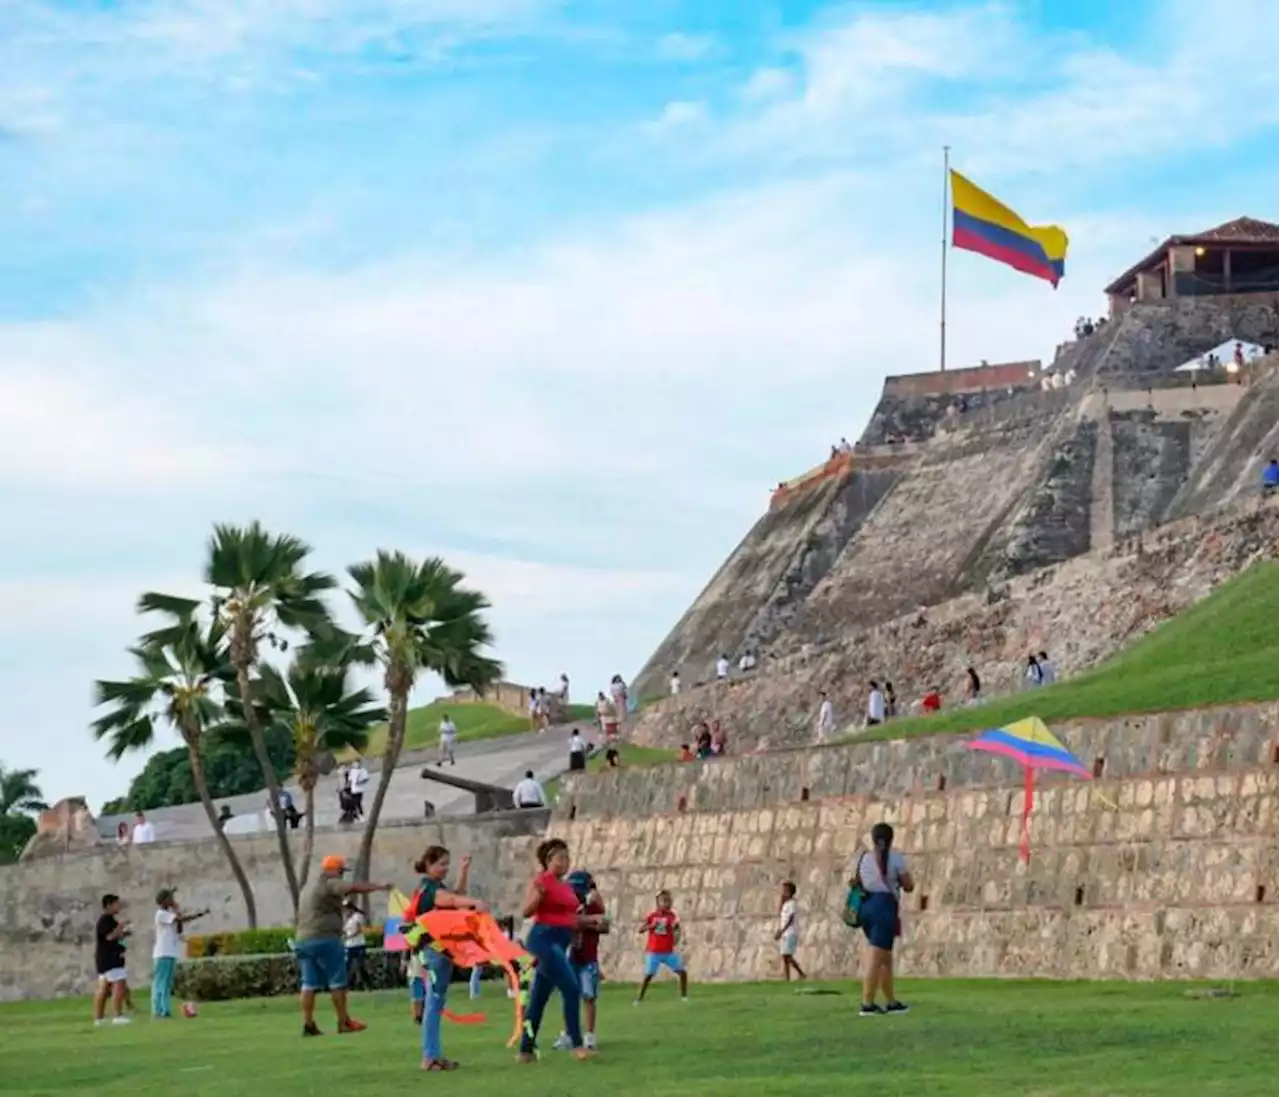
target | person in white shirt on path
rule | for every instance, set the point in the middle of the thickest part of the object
(577, 751)
(1034, 675)
(448, 740)
(143, 831)
(875, 705)
(528, 793)
(788, 935)
(747, 662)
(722, 667)
(675, 683)
(358, 778)
(826, 718)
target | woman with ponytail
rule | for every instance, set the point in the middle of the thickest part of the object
(554, 908)
(882, 873)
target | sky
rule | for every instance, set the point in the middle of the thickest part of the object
(556, 290)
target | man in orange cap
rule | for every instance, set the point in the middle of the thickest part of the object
(318, 944)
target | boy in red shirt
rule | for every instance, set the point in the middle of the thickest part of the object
(584, 955)
(663, 928)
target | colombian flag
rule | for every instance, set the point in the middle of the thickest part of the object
(983, 224)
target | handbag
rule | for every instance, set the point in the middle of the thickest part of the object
(855, 897)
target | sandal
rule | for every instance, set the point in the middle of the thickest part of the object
(439, 1064)
(527, 1057)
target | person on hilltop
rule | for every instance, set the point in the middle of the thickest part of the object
(882, 874)
(318, 942)
(674, 684)
(722, 668)
(618, 695)
(564, 690)
(1034, 676)
(554, 908)
(972, 687)
(433, 868)
(607, 716)
(875, 704)
(826, 717)
(448, 741)
(1048, 672)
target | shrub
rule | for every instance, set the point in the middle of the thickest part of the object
(256, 942)
(220, 978)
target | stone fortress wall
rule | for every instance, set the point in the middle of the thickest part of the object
(1164, 867)
(1020, 480)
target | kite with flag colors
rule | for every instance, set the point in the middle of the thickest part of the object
(983, 224)
(1030, 743)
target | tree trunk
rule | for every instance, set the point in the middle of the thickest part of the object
(268, 771)
(397, 713)
(309, 834)
(224, 843)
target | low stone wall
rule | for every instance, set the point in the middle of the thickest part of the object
(48, 907)
(1163, 868)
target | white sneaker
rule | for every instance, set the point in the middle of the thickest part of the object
(122, 1020)
(589, 1041)
(99, 1022)
(562, 1042)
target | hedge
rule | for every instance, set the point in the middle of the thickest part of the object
(221, 978)
(256, 942)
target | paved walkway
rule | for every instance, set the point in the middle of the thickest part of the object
(500, 762)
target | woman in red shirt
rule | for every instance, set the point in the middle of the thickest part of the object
(554, 907)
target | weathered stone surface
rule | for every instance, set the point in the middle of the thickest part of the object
(1081, 611)
(66, 827)
(1163, 868)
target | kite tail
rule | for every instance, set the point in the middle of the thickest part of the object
(1028, 802)
(521, 983)
(463, 1018)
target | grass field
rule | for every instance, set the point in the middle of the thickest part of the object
(1221, 651)
(961, 1039)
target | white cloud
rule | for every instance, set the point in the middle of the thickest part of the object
(766, 84)
(679, 114)
(685, 47)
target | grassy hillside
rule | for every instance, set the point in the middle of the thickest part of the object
(474, 721)
(1221, 651)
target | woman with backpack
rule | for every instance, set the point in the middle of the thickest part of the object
(881, 874)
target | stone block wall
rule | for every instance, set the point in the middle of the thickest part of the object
(1081, 611)
(1165, 867)
(48, 907)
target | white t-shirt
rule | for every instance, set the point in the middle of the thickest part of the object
(353, 930)
(722, 668)
(747, 661)
(675, 684)
(788, 914)
(1048, 673)
(826, 716)
(868, 869)
(168, 943)
(448, 732)
(359, 779)
(577, 744)
(142, 833)
(529, 792)
(875, 705)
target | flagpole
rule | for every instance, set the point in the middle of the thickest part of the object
(946, 191)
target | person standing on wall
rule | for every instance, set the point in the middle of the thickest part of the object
(882, 874)
(318, 942)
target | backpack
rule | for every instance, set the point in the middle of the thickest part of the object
(855, 897)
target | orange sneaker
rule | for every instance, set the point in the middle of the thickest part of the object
(352, 1025)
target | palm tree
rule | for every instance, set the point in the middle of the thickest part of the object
(314, 703)
(182, 673)
(418, 616)
(261, 585)
(19, 793)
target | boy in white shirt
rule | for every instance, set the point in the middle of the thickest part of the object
(167, 950)
(448, 738)
(788, 935)
(826, 718)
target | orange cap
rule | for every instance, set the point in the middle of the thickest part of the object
(334, 865)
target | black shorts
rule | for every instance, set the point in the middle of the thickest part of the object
(577, 760)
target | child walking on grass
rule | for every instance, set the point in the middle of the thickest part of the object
(663, 928)
(788, 935)
(584, 955)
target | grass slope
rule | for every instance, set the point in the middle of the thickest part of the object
(1222, 650)
(473, 721)
(961, 1039)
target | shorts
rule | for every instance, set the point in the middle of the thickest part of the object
(322, 963)
(588, 980)
(417, 989)
(654, 961)
(880, 919)
(787, 944)
(115, 975)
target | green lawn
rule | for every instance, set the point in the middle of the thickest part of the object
(1220, 651)
(474, 721)
(961, 1039)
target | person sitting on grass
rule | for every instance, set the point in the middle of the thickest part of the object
(433, 867)
(318, 944)
(108, 957)
(883, 874)
(661, 950)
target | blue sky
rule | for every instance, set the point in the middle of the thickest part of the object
(557, 290)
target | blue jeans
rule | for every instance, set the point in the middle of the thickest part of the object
(550, 947)
(162, 986)
(474, 986)
(439, 974)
